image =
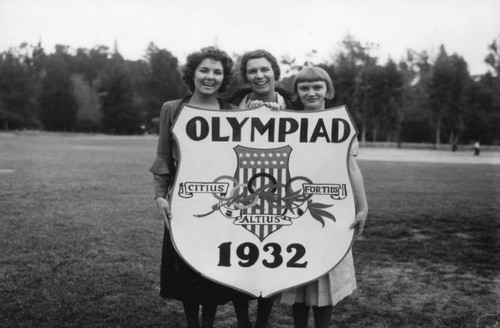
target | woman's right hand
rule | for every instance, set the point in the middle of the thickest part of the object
(259, 103)
(164, 208)
(255, 104)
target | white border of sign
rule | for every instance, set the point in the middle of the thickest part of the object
(262, 200)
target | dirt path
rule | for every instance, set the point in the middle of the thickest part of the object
(428, 156)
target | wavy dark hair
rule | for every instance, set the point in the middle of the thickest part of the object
(260, 53)
(194, 60)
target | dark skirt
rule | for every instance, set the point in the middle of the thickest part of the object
(179, 281)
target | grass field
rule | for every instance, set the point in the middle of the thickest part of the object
(80, 243)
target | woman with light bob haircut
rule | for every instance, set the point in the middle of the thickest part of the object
(313, 74)
(313, 88)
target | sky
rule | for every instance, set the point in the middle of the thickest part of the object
(284, 27)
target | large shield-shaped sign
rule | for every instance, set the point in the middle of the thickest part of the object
(262, 200)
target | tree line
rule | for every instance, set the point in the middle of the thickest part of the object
(417, 99)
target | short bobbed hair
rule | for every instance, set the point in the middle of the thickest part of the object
(194, 60)
(255, 54)
(314, 74)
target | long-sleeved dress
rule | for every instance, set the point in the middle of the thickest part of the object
(330, 288)
(177, 279)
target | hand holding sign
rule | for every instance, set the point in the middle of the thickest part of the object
(164, 208)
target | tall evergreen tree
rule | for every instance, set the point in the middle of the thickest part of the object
(354, 64)
(20, 71)
(58, 104)
(163, 81)
(449, 81)
(119, 112)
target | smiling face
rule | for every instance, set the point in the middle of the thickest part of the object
(312, 94)
(260, 76)
(208, 77)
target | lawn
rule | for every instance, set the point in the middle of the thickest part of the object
(80, 240)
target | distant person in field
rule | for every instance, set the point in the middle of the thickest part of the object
(259, 69)
(313, 86)
(477, 148)
(206, 73)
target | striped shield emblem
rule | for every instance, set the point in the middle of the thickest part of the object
(265, 172)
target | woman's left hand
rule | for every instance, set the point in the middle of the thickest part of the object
(359, 223)
(165, 212)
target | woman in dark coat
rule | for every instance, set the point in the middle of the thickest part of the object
(206, 73)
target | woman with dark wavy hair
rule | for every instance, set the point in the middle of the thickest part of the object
(194, 60)
(206, 73)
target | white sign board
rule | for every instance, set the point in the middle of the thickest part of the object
(262, 199)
